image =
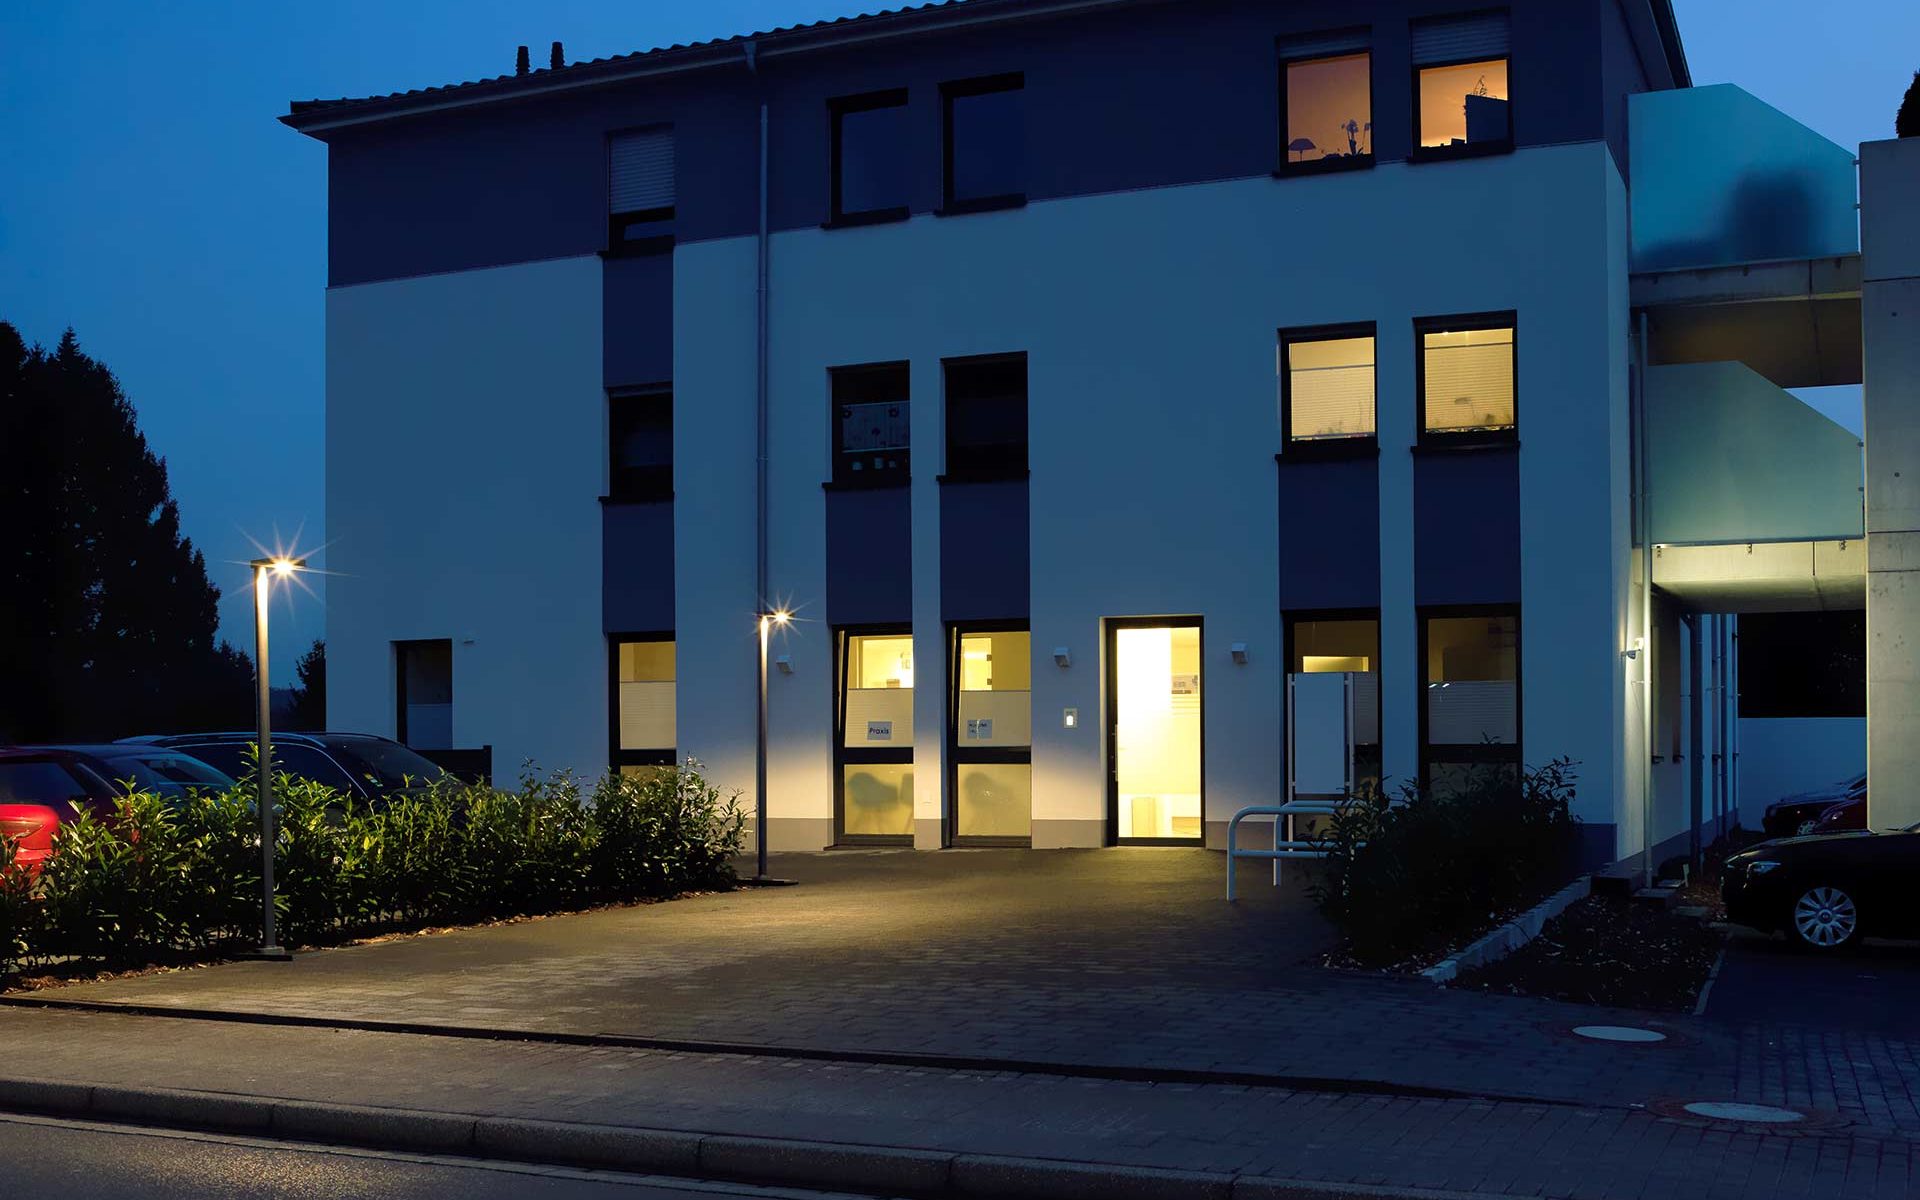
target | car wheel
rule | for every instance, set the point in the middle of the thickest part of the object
(1826, 918)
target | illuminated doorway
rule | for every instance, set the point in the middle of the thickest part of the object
(1155, 731)
(873, 749)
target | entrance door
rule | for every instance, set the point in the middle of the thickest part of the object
(1154, 741)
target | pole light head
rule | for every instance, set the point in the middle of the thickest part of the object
(280, 565)
(781, 616)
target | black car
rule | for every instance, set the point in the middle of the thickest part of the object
(358, 764)
(1827, 891)
(1795, 815)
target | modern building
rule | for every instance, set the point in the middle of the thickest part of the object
(1086, 378)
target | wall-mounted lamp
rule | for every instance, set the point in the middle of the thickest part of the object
(1070, 718)
(1633, 651)
(784, 663)
(1061, 658)
(1239, 652)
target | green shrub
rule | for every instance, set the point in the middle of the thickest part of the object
(1424, 870)
(113, 889)
(664, 832)
(20, 910)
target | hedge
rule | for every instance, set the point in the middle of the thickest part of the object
(166, 877)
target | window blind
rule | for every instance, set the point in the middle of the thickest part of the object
(1322, 43)
(642, 170)
(1458, 39)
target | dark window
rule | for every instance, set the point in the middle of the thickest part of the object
(640, 191)
(640, 437)
(1470, 692)
(424, 702)
(870, 155)
(1347, 643)
(38, 782)
(389, 765)
(1326, 103)
(1807, 664)
(987, 416)
(1468, 378)
(304, 762)
(1460, 102)
(871, 424)
(1327, 389)
(985, 142)
(231, 758)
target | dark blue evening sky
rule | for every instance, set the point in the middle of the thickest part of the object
(149, 199)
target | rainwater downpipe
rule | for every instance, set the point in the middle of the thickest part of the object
(761, 607)
(1646, 611)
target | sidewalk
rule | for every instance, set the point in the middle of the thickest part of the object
(915, 1132)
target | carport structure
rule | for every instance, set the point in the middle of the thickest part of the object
(1765, 257)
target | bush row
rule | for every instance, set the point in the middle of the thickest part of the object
(166, 876)
(1425, 869)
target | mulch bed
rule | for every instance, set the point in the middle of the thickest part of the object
(1615, 952)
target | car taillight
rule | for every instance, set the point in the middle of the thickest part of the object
(20, 822)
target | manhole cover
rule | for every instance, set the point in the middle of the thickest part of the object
(1746, 1114)
(1619, 1033)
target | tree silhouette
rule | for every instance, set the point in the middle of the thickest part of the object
(310, 694)
(1906, 122)
(107, 618)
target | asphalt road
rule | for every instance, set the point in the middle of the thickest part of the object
(1874, 987)
(79, 1160)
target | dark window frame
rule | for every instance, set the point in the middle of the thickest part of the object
(960, 89)
(837, 109)
(618, 757)
(1463, 439)
(1357, 446)
(638, 485)
(845, 755)
(1418, 153)
(844, 477)
(1287, 168)
(619, 223)
(1484, 753)
(959, 752)
(984, 470)
(1291, 617)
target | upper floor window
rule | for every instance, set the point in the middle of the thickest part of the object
(1467, 368)
(985, 123)
(1460, 101)
(640, 194)
(987, 416)
(640, 444)
(1326, 102)
(870, 156)
(872, 422)
(1327, 388)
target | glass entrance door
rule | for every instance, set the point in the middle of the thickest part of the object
(1154, 743)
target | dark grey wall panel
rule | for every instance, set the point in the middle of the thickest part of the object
(984, 555)
(637, 320)
(1466, 527)
(1330, 534)
(869, 556)
(636, 567)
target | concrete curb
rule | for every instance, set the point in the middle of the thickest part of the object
(1511, 935)
(890, 1170)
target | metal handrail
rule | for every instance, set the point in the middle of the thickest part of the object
(1282, 849)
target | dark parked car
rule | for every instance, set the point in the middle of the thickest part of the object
(1843, 817)
(40, 785)
(1828, 890)
(1794, 815)
(358, 764)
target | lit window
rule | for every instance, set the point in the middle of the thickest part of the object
(993, 736)
(870, 154)
(1327, 111)
(640, 442)
(874, 749)
(1461, 102)
(645, 729)
(985, 142)
(986, 403)
(1470, 674)
(1351, 645)
(872, 424)
(1327, 387)
(1467, 369)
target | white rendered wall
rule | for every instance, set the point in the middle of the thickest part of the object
(464, 460)
(1149, 320)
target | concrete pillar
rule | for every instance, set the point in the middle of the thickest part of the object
(1890, 328)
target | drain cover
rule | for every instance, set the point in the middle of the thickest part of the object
(1619, 1033)
(1750, 1114)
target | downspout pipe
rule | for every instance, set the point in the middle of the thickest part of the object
(761, 607)
(1646, 606)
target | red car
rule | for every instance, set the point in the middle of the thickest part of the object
(40, 785)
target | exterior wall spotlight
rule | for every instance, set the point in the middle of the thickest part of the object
(1061, 658)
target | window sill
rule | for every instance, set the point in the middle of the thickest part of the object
(637, 498)
(1324, 166)
(961, 208)
(1316, 452)
(1001, 475)
(1433, 154)
(878, 216)
(875, 484)
(641, 247)
(1466, 445)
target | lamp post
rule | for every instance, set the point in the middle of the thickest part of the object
(767, 620)
(265, 571)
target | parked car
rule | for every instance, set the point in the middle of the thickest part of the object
(41, 785)
(1843, 817)
(1793, 815)
(1828, 890)
(359, 764)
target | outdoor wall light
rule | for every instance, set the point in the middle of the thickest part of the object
(1061, 658)
(785, 663)
(1633, 651)
(1239, 652)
